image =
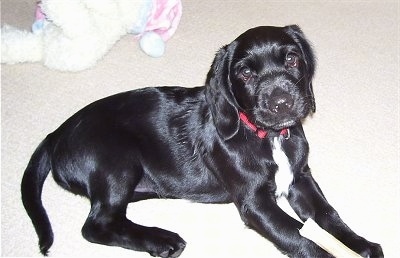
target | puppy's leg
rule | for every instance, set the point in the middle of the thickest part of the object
(107, 223)
(308, 201)
(268, 219)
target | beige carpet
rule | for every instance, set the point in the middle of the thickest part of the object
(354, 135)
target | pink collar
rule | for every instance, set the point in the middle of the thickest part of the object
(260, 132)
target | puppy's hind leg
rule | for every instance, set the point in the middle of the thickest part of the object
(107, 223)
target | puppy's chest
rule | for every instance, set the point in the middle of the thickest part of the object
(284, 173)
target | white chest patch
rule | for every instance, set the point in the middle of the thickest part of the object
(284, 174)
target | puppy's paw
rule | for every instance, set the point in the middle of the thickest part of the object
(163, 243)
(370, 250)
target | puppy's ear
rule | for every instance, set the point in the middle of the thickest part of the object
(219, 94)
(297, 34)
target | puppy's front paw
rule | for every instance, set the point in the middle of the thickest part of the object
(370, 250)
(165, 244)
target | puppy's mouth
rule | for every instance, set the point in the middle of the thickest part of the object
(267, 122)
(281, 125)
(270, 120)
(284, 124)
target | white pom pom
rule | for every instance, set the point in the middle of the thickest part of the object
(152, 44)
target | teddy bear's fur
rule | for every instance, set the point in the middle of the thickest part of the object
(74, 35)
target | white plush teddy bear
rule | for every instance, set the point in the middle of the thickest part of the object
(72, 35)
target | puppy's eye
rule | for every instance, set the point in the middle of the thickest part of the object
(245, 73)
(292, 60)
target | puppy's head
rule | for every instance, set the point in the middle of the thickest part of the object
(265, 73)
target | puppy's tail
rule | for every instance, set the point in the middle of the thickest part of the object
(31, 189)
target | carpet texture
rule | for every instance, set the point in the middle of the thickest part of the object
(354, 136)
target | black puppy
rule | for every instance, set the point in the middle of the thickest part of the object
(237, 139)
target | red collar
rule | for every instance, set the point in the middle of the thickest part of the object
(260, 132)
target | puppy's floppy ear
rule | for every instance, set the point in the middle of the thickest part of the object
(219, 94)
(297, 34)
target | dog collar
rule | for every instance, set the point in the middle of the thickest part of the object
(260, 132)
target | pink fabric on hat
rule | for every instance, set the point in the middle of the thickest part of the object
(39, 15)
(164, 18)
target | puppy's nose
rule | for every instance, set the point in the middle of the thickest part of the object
(281, 104)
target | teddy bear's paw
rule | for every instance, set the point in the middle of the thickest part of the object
(19, 46)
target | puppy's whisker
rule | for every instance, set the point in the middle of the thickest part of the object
(299, 80)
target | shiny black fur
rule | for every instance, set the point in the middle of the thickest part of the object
(174, 142)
